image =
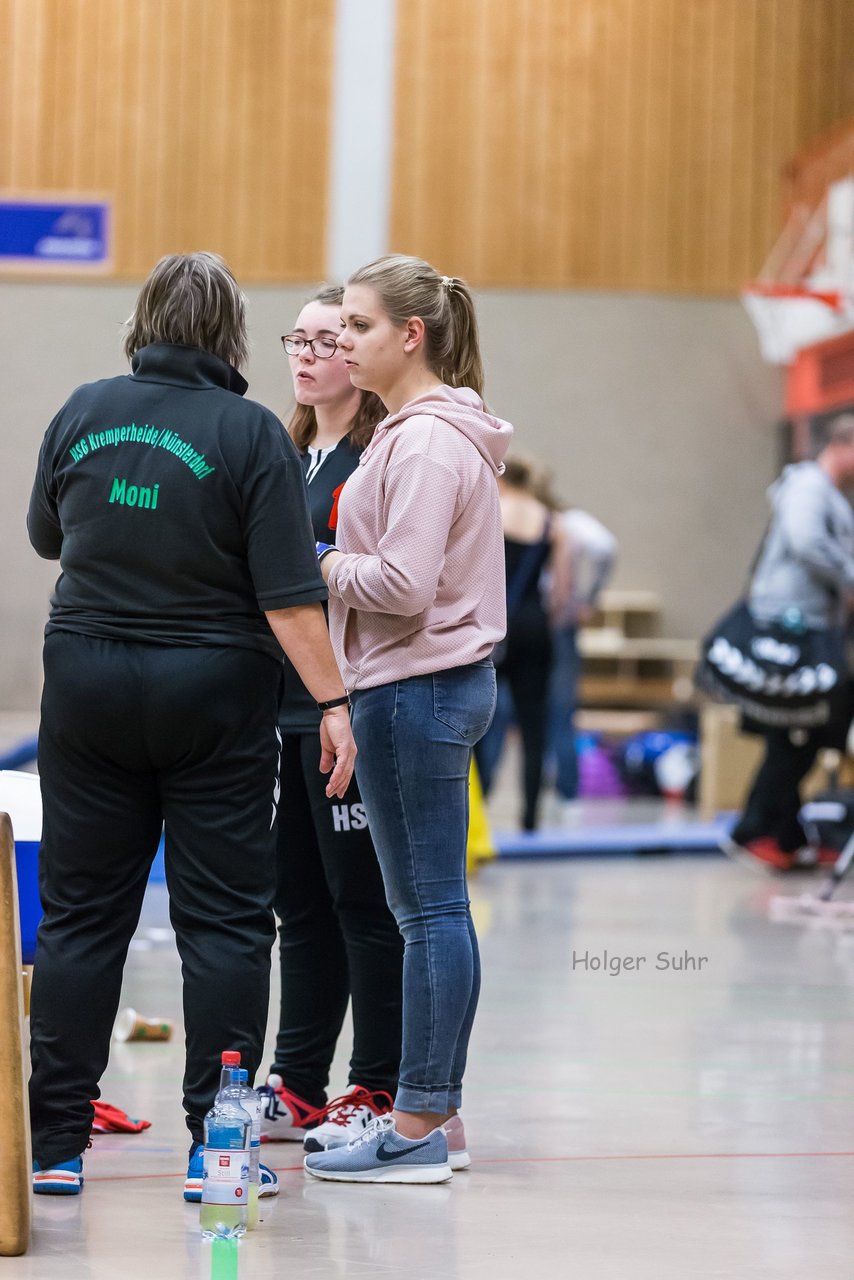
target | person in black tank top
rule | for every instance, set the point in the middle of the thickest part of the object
(523, 662)
(338, 939)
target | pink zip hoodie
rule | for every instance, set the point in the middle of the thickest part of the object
(421, 585)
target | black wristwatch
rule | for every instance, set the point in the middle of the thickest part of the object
(334, 702)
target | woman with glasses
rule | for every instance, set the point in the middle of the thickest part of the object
(416, 605)
(338, 939)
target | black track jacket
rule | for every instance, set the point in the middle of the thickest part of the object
(176, 508)
(299, 712)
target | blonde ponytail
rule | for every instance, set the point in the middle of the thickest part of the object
(465, 366)
(411, 287)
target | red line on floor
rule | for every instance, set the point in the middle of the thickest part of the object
(141, 1177)
(673, 1155)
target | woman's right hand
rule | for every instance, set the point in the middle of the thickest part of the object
(338, 750)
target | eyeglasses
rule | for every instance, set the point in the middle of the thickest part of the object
(322, 348)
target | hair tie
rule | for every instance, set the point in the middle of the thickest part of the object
(448, 282)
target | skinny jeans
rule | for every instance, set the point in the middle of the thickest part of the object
(415, 740)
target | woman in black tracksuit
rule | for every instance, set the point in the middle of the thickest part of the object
(177, 511)
(338, 939)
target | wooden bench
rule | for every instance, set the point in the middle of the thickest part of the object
(639, 671)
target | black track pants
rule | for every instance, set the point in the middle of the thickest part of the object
(526, 671)
(775, 796)
(133, 735)
(337, 936)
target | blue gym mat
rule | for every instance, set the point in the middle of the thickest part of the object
(157, 875)
(621, 839)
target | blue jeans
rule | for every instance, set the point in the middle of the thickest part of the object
(491, 746)
(415, 740)
(566, 668)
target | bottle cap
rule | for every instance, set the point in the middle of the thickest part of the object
(230, 1058)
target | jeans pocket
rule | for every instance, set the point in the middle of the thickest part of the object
(464, 700)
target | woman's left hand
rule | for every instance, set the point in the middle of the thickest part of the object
(338, 750)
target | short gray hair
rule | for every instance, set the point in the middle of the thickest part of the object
(192, 300)
(840, 430)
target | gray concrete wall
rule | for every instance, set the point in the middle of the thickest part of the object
(659, 417)
(656, 413)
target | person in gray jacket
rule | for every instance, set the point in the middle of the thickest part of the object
(805, 573)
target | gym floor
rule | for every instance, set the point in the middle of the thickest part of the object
(690, 1115)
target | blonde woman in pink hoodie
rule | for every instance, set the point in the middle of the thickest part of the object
(416, 604)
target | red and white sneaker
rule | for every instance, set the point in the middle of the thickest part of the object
(458, 1156)
(757, 853)
(810, 856)
(284, 1115)
(347, 1117)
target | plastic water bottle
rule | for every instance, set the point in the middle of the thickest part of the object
(251, 1103)
(230, 1058)
(225, 1190)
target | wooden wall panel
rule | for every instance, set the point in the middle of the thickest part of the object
(609, 143)
(206, 121)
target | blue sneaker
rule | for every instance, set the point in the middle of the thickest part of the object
(195, 1174)
(380, 1154)
(62, 1179)
(269, 1185)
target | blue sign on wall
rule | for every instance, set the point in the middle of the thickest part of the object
(68, 233)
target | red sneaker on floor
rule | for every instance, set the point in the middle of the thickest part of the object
(815, 855)
(284, 1116)
(762, 852)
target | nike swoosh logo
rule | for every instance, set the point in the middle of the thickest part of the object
(385, 1153)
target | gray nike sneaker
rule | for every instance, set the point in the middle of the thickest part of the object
(380, 1154)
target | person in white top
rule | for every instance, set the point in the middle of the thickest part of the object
(593, 552)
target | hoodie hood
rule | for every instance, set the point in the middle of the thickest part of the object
(461, 408)
(791, 472)
(772, 493)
